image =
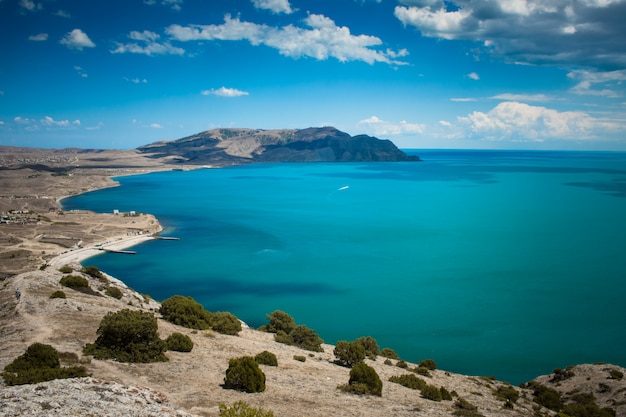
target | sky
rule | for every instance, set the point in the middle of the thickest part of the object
(478, 74)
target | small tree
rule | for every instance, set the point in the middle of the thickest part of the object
(179, 342)
(279, 321)
(431, 392)
(93, 271)
(389, 353)
(349, 353)
(58, 294)
(186, 312)
(302, 337)
(74, 282)
(114, 292)
(428, 364)
(266, 358)
(225, 323)
(128, 336)
(370, 345)
(365, 380)
(244, 374)
(39, 363)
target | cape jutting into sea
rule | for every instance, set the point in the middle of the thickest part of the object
(495, 263)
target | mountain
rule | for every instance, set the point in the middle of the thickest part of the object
(238, 146)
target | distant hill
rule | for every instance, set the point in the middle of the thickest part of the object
(237, 146)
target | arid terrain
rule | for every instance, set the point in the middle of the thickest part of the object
(38, 239)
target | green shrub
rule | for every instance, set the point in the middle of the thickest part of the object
(186, 312)
(128, 336)
(545, 396)
(225, 323)
(389, 353)
(39, 363)
(463, 404)
(507, 394)
(299, 358)
(445, 394)
(584, 405)
(74, 282)
(409, 381)
(402, 364)
(279, 321)
(388, 362)
(349, 353)
(179, 342)
(431, 392)
(241, 409)
(420, 370)
(93, 272)
(562, 374)
(363, 381)
(66, 269)
(302, 337)
(370, 345)
(266, 358)
(244, 374)
(428, 364)
(58, 294)
(615, 374)
(114, 292)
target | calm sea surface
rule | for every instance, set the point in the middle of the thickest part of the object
(489, 262)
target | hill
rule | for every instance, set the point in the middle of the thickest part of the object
(240, 146)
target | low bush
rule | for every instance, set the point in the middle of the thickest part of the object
(389, 353)
(266, 358)
(186, 312)
(179, 342)
(363, 381)
(58, 294)
(584, 405)
(507, 394)
(225, 323)
(66, 269)
(445, 394)
(428, 364)
(545, 396)
(409, 381)
(94, 272)
(299, 358)
(75, 282)
(370, 345)
(242, 409)
(562, 374)
(244, 374)
(128, 336)
(463, 404)
(349, 353)
(402, 364)
(302, 337)
(39, 363)
(431, 392)
(420, 370)
(279, 321)
(113, 292)
(615, 374)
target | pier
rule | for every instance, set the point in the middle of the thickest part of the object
(166, 238)
(125, 252)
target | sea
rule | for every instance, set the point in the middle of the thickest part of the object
(491, 263)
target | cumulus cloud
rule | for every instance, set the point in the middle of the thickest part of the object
(80, 71)
(607, 84)
(522, 97)
(473, 76)
(97, 126)
(63, 13)
(48, 121)
(40, 37)
(30, 5)
(381, 127)
(155, 126)
(521, 122)
(174, 4)
(77, 39)
(572, 32)
(224, 92)
(275, 6)
(136, 80)
(321, 40)
(147, 43)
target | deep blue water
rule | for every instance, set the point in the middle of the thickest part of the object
(489, 262)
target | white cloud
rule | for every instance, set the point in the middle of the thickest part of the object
(381, 127)
(521, 122)
(155, 126)
(225, 92)
(147, 44)
(49, 122)
(77, 39)
(136, 80)
(462, 99)
(275, 6)
(571, 32)
(80, 71)
(473, 76)
(323, 39)
(38, 37)
(522, 97)
(63, 13)
(174, 4)
(98, 126)
(30, 5)
(595, 83)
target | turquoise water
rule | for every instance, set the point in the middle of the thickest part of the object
(489, 262)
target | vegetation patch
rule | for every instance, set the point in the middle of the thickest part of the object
(94, 272)
(244, 374)
(266, 358)
(113, 292)
(186, 312)
(370, 345)
(179, 342)
(289, 333)
(242, 409)
(58, 294)
(225, 323)
(409, 381)
(349, 354)
(363, 381)
(66, 269)
(39, 363)
(128, 336)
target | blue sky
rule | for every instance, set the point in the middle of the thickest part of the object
(497, 74)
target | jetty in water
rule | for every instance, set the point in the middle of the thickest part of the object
(125, 252)
(166, 238)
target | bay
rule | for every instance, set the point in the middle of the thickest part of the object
(504, 263)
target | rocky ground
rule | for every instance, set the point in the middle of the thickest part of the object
(191, 383)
